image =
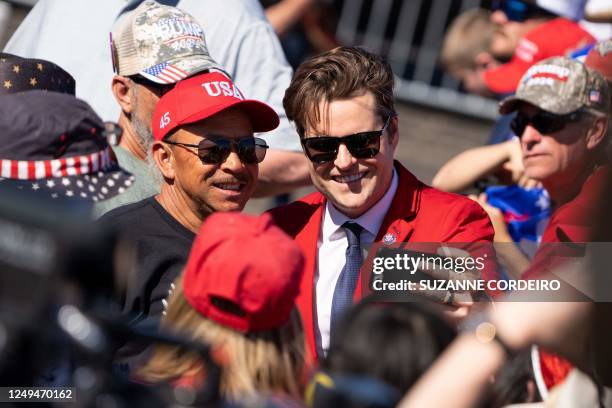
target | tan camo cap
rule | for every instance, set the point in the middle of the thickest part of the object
(162, 43)
(560, 85)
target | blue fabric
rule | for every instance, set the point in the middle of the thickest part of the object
(523, 209)
(581, 53)
(345, 287)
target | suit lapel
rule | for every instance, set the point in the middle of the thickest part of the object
(398, 225)
(307, 240)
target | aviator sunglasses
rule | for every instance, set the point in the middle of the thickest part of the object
(364, 145)
(216, 149)
(543, 122)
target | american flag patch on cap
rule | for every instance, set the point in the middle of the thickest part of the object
(164, 73)
(595, 96)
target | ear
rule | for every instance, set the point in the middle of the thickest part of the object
(596, 132)
(164, 159)
(123, 90)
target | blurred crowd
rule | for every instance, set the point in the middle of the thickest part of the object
(157, 121)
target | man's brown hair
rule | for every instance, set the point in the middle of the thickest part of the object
(341, 73)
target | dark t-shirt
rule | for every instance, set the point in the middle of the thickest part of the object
(162, 245)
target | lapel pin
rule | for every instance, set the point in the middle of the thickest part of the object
(388, 239)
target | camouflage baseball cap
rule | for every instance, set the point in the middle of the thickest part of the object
(560, 85)
(162, 43)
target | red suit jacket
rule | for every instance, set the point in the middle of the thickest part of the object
(418, 213)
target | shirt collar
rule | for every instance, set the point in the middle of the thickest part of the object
(371, 220)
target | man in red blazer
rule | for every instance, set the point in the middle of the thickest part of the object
(343, 107)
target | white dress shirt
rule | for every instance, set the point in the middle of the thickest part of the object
(331, 254)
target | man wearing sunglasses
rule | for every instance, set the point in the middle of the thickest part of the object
(343, 107)
(154, 46)
(208, 158)
(562, 118)
(562, 115)
(529, 31)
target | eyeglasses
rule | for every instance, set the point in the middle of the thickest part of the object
(216, 149)
(364, 145)
(543, 122)
(518, 10)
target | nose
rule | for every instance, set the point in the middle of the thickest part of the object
(232, 162)
(499, 17)
(530, 137)
(344, 159)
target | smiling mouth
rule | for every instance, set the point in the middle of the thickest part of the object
(351, 178)
(234, 186)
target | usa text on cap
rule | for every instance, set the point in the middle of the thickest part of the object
(203, 96)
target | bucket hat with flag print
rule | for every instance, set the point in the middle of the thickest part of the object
(55, 145)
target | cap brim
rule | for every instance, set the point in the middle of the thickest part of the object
(505, 78)
(181, 68)
(549, 104)
(94, 187)
(262, 117)
(510, 104)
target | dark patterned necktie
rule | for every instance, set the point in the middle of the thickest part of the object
(345, 287)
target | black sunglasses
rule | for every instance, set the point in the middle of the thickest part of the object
(364, 145)
(543, 122)
(216, 149)
(159, 89)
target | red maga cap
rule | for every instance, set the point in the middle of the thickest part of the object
(203, 96)
(551, 39)
(243, 272)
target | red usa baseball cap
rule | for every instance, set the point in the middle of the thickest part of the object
(203, 96)
(555, 38)
(243, 272)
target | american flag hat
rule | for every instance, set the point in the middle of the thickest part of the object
(19, 74)
(54, 144)
(161, 43)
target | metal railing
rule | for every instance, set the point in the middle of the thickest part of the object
(409, 34)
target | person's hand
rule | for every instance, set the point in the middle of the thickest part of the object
(454, 305)
(496, 216)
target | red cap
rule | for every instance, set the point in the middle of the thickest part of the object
(243, 272)
(600, 59)
(552, 39)
(203, 96)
